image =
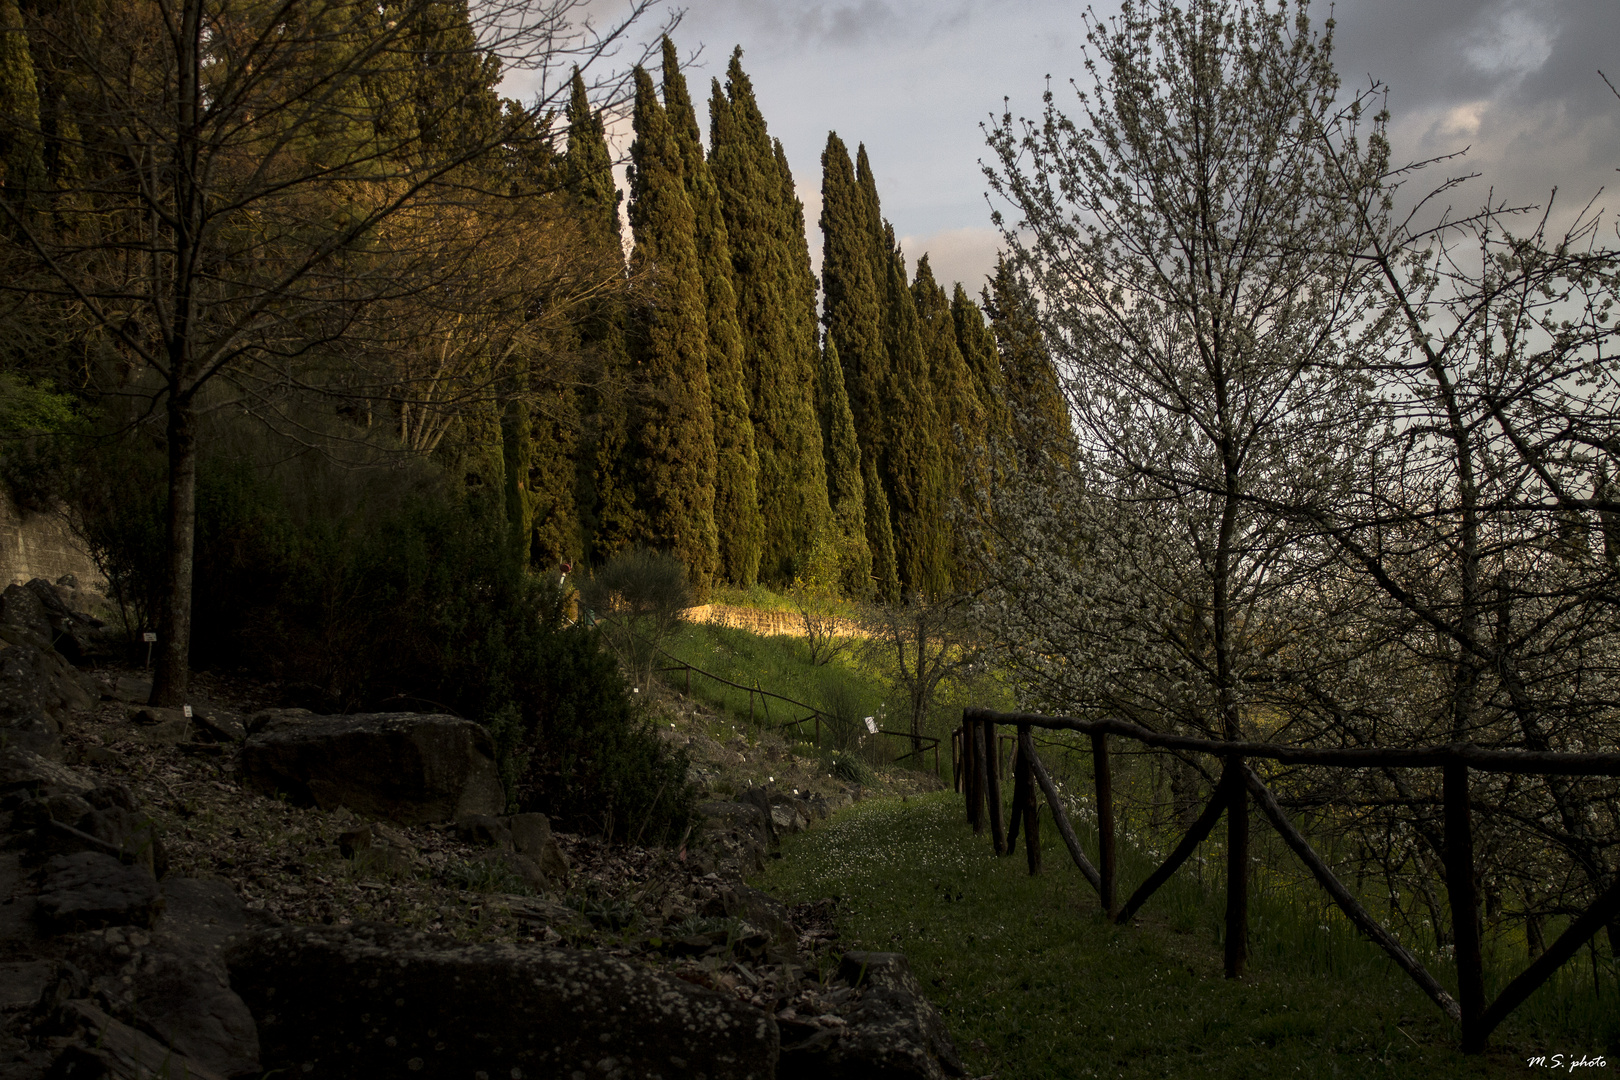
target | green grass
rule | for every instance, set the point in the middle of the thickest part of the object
(1033, 983)
(780, 665)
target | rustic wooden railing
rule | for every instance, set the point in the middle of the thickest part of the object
(815, 715)
(978, 776)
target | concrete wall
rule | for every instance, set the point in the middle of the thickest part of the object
(41, 545)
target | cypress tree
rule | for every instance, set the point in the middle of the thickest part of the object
(737, 519)
(21, 144)
(964, 455)
(610, 519)
(853, 316)
(780, 371)
(554, 514)
(1037, 410)
(674, 429)
(846, 492)
(885, 566)
(977, 343)
(910, 464)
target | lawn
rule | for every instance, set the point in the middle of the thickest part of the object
(1033, 983)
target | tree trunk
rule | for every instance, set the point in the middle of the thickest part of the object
(172, 674)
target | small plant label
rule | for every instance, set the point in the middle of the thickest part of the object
(871, 725)
(187, 710)
(149, 637)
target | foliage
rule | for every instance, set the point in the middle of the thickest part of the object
(1031, 983)
(637, 599)
(815, 598)
(1339, 478)
(778, 337)
(673, 425)
(927, 650)
(736, 491)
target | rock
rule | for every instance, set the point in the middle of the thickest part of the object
(891, 1030)
(38, 689)
(484, 830)
(131, 690)
(788, 814)
(25, 774)
(735, 836)
(172, 983)
(77, 636)
(104, 819)
(411, 768)
(371, 1000)
(218, 726)
(761, 910)
(91, 889)
(23, 981)
(531, 836)
(19, 606)
(271, 719)
(757, 797)
(107, 1049)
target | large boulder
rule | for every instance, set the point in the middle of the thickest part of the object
(80, 637)
(370, 1000)
(171, 982)
(38, 690)
(412, 768)
(91, 889)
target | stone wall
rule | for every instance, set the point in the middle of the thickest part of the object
(41, 545)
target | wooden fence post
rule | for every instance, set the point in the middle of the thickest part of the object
(992, 787)
(1028, 805)
(1464, 907)
(1103, 772)
(975, 742)
(1237, 871)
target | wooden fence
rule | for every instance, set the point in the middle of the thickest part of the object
(978, 776)
(922, 744)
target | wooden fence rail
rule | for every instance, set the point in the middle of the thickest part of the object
(977, 776)
(928, 742)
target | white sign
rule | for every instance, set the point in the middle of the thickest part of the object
(149, 637)
(187, 710)
(871, 725)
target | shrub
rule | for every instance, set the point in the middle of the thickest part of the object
(637, 599)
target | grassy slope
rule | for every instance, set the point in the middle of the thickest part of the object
(1034, 984)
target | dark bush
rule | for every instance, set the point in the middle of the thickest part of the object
(380, 587)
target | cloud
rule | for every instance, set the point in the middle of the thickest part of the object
(964, 255)
(839, 24)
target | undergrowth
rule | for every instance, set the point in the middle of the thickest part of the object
(1032, 982)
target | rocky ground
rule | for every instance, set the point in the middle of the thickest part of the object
(143, 846)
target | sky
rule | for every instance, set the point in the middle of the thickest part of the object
(1515, 82)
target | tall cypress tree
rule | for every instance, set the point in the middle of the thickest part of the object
(609, 517)
(846, 491)
(780, 375)
(853, 315)
(1037, 410)
(674, 430)
(737, 519)
(911, 465)
(964, 456)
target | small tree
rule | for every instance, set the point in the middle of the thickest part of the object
(924, 647)
(1193, 244)
(815, 597)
